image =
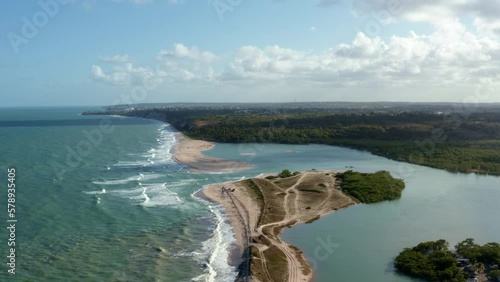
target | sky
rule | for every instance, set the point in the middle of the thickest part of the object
(106, 52)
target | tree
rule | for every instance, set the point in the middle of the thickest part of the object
(494, 274)
(371, 187)
(285, 173)
(488, 253)
(431, 261)
(469, 249)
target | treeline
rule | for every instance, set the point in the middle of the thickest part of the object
(487, 254)
(433, 261)
(371, 187)
(455, 142)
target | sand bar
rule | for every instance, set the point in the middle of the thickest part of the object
(189, 152)
(259, 208)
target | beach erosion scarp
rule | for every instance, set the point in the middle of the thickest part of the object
(259, 208)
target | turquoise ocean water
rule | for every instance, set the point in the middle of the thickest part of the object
(100, 199)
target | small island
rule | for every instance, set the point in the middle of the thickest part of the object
(259, 208)
(434, 261)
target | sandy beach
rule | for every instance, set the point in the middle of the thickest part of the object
(189, 152)
(258, 235)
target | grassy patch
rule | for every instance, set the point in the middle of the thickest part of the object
(286, 183)
(311, 198)
(255, 190)
(278, 264)
(273, 203)
(316, 183)
(256, 267)
(252, 187)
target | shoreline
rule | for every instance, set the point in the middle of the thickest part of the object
(188, 152)
(253, 236)
(365, 145)
(237, 227)
(235, 250)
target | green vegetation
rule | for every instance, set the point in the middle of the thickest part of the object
(487, 254)
(273, 201)
(313, 219)
(256, 268)
(254, 188)
(259, 197)
(431, 261)
(277, 259)
(312, 190)
(494, 274)
(285, 173)
(440, 136)
(286, 182)
(371, 187)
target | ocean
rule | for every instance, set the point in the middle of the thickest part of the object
(100, 198)
(117, 210)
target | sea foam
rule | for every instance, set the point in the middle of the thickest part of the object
(161, 154)
(128, 179)
(215, 251)
(159, 195)
(103, 191)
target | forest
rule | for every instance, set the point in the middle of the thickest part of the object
(454, 140)
(371, 187)
(433, 261)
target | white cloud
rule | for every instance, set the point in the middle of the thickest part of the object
(115, 59)
(109, 78)
(484, 12)
(123, 74)
(184, 63)
(451, 57)
(181, 64)
(489, 27)
(312, 28)
(181, 51)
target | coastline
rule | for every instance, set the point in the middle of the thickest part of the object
(252, 236)
(188, 151)
(211, 194)
(236, 249)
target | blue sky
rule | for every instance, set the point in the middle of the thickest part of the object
(101, 52)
